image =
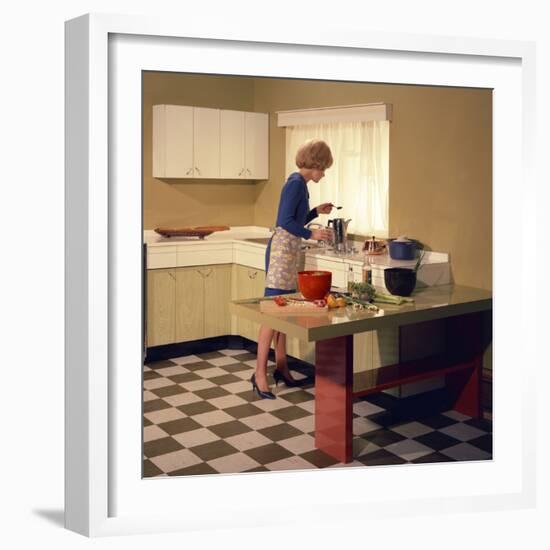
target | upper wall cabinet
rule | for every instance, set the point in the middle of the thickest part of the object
(193, 142)
(206, 143)
(244, 147)
(186, 142)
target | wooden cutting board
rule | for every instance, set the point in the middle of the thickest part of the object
(308, 308)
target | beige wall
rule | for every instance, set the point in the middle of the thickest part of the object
(440, 161)
(187, 202)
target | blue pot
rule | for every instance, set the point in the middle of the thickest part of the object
(402, 250)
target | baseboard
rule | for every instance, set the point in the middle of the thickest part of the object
(169, 351)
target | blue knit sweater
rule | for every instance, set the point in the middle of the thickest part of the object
(294, 212)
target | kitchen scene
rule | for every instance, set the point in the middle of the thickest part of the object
(372, 347)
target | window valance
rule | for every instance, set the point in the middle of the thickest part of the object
(330, 115)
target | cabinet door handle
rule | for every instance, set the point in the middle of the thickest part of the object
(206, 274)
(198, 171)
(171, 275)
(190, 171)
(252, 275)
(249, 171)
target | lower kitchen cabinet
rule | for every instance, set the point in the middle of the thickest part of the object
(376, 348)
(217, 295)
(161, 307)
(301, 350)
(192, 303)
(247, 282)
(188, 303)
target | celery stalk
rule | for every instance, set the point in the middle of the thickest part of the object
(391, 299)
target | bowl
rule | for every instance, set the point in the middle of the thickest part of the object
(400, 281)
(314, 285)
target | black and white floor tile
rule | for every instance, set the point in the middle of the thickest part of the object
(200, 416)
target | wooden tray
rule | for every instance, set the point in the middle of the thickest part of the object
(308, 308)
(200, 231)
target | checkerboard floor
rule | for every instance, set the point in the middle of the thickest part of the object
(200, 416)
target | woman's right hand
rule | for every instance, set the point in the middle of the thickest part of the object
(322, 234)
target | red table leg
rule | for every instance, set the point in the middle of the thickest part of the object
(334, 397)
(465, 389)
(464, 337)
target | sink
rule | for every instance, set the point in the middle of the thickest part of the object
(265, 240)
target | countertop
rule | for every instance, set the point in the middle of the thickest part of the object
(429, 303)
(242, 234)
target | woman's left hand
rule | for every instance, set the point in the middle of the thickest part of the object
(325, 208)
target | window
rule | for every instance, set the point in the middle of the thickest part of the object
(359, 178)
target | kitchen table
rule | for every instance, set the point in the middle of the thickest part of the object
(459, 307)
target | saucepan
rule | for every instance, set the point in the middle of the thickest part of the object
(403, 248)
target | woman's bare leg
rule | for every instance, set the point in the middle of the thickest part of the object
(281, 363)
(264, 341)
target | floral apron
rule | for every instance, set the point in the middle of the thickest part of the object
(282, 270)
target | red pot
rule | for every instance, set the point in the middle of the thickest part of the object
(314, 285)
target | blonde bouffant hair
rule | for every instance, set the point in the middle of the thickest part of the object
(314, 153)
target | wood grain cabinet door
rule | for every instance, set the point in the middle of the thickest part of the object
(242, 290)
(189, 303)
(217, 294)
(248, 282)
(259, 287)
(161, 307)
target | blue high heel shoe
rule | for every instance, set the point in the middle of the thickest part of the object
(278, 376)
(262, 394)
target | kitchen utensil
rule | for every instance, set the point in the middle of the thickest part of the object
(340, 230)
(400, 281)
(314, 285)
(402, 248)
(374, 247)
(200, 231)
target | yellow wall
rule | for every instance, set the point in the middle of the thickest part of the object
(440, 161)
(188, 202)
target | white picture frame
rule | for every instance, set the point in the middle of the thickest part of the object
(105, 55)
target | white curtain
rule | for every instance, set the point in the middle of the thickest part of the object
(358, 179)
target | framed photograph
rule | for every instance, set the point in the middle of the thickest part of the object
(126, 448)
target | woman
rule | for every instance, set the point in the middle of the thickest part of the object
(282, 253)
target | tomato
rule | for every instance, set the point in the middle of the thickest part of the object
(280, 300)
